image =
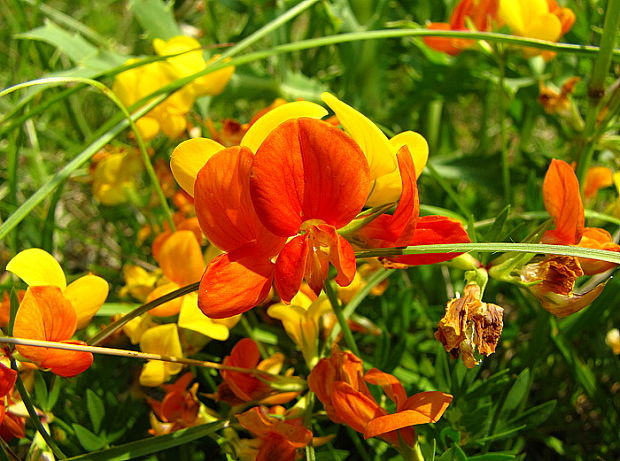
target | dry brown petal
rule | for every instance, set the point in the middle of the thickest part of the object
(557, 276)
(469, 325)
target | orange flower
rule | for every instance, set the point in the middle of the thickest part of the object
(347, 400)
(597, 178)
(180, 407)
(45, 314)
(481, 14)
(241, 387)
(563, 202)
(279, 438)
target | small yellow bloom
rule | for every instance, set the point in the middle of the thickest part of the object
(301, 321)
(162, 340)
(191, 62)
(540, 19)
(114, 175)
(169, 116)
(37, 267)
(379, 150)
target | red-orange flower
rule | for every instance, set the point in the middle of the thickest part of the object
(481, 14)
(45, 314)
(239, 387)
(563, 202)
(280, 438)
(347, 400)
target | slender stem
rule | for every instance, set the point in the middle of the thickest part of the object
(133, 355)
(501, 62)
(32, 412)
(348, 335)
(537, 248)
(349, 309)
(596, 88)
(114, 326)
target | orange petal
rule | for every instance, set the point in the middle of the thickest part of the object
(291, 267)
(594, 237)
(563, 202)
(341, 255)
(422, 408)
(180, 258)
(443, 44)
(245, 386)
(168, 308)
(234, 283)
(390, 384)
(397, 229)
(434, 230)
(353, 407)
(307, 169)
(223, 204)
(597, 178)
(255, 421)
(67, 363)
(7, 380)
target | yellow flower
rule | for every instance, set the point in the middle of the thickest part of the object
(114, 176)
(37, 267)
(138, 282)
(301, 321)
(162, 340)
(191, 62)
(169, 116)
(540, 19)
(379, 150)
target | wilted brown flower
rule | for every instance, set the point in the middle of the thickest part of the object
(553, 281)
(470, 324)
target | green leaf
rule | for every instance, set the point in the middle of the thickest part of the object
(156, 18)
(96, 409)
(332, 455)
(73, 45)
(535, 416)
(152, 444)
(54, 393)
(491, 457)
(517, 392)
(40, 391)
(110, 309)
(87, 439)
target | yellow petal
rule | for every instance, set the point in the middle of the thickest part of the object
(510, 11)
(375, 145)
(87, 294)
(257, 133)
(162, 340)
(37, 267)
(148, 127)
(189, 157)
(180, 258)
(293, 319)
(154, 373)
(192, 318)
(385, 189)
(418, 147)
(135, 328)
(545, 27)
(214, 82)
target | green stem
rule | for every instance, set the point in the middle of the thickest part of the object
(342, 321)
(536, 248)
(114, 326)
(32, 412)
(596, 88)
(349, 309)
(501, 64)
